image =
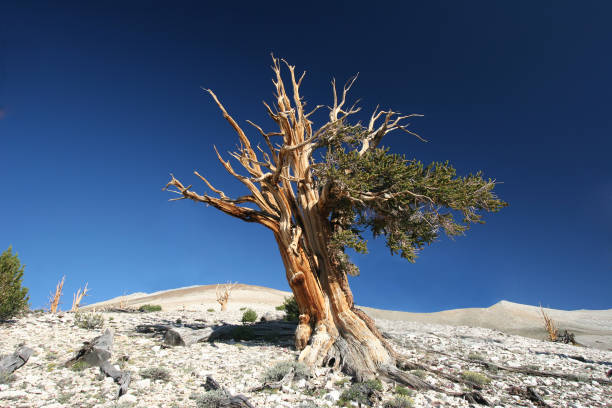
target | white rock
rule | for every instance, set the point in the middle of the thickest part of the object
(332, 396)
(142, 384)
(128, 398)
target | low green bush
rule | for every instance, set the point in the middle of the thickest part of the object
(149, 308)
(475, 377)
(249, 316)
(399, 401)
(80, 366)
(88, 321)
(406, 392)
(211, 399)
(360, 393)
(280, 370)
(156, 373)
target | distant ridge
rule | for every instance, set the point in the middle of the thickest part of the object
(592, 327)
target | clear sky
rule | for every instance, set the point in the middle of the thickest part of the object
(102, 100)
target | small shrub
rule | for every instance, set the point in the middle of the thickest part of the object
(211, 399)
(156, 373)
(475, 357)
(476, 377)
(7, 378)
(399, 401)
(308, 404)
(292, 311)
(88, 321)
(80, 366)
(403, 391)
(341, 382)
(13, 297)
(360, 393)
(242, 333)
(280, 370)
(210, 310)
(65, 397)
(149, 308)
(280, 307)
(419, 373)
(249, 316)
(242, 308)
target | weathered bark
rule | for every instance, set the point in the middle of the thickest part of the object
(331, 332)
(232, 401)
(96, 353)
(184, 336)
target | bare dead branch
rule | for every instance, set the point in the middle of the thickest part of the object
(77, 297)
(54, 298)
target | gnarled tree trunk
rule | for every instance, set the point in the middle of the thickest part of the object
(298, 211)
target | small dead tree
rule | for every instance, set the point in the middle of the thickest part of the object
(78, 296)
(54, 298)
(549, 325)
(223, 293)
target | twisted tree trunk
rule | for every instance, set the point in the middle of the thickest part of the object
(298, 210)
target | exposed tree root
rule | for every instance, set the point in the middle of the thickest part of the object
(523, 370)
(530, 394)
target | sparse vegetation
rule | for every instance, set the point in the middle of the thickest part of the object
(243, 308)
(88, 321)
(419, 373)
(399, 401)
(475, 357)
(308, 404)
(341, 382)
(475, 377)
(403, 391)
(249, 316)
(80, 366)
(156, 373)
(210, 310)
(280, 370)
(211, 399)
(359, 393)
(65, 397)
(13, 296)
(149, 308)
(7, 378)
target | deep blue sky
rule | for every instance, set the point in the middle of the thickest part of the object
(102, 101)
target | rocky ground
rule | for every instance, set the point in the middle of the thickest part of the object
(240, 366)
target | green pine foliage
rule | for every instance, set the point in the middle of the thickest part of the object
(291, 308)
(249, 316)
(13, 297)
(406, 202)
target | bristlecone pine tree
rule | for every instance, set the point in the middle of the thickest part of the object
(13, 297)
(318, 190)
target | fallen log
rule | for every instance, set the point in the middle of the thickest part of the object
(96, 353)
(519, 370)
(16, 360)
(185, 336)
(191, 334)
